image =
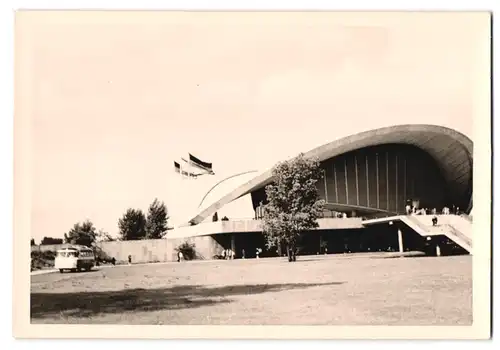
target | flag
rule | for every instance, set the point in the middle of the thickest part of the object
(177, 167)
(200, 164)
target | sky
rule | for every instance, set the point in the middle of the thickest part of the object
(115, 98)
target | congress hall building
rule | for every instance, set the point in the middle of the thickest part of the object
(370, 180)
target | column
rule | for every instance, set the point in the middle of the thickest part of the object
(346, 182)
(335, 180)
(233, 245)
(326, 185)
(400, 240)
(357, 181)
(378, 186)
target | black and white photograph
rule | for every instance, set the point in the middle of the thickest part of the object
(190, 168)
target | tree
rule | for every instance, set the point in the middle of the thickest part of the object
(50, 241)
(156, 222)
(293, 204)
(132, 225)
(82, 234)
(103, 236)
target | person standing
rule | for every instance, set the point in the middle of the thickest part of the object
(434, 221)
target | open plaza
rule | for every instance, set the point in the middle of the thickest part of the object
(338, 289)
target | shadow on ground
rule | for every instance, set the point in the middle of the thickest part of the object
(87, 304)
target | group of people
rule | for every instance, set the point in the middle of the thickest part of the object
(335, 215)
(413, 210)
(228, 254)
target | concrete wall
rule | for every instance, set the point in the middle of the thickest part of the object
(159, 250)
(153, 250)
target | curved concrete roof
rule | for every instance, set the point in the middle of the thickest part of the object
(451, 150)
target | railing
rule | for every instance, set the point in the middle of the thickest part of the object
(417, 222)
(467, 216)
(446, 229)
(459, 234)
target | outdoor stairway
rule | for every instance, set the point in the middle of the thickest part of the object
(456, 228)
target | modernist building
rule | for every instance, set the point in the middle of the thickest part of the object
(370, 176)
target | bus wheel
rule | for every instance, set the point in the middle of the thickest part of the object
(61, 270)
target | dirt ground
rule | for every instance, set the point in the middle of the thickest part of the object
(336, 290)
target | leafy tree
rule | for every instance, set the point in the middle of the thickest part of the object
(82, 234)
(50, 241)
(132, 225)
(103, 236)
(33, 241)
(156, 225)
(293, 204)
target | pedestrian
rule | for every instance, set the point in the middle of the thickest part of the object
(130, 259)
(113, 261)
(408, 209)
(434, 221)
(243, 253)
(180, 256)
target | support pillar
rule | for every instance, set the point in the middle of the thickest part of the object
(438, 250)
(400, 240)
(233, 245)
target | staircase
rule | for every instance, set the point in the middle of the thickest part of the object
(456, 228)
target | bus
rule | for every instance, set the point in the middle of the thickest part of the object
(74, 258)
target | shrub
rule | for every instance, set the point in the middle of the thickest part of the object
(188, 250)
(40, 260)
(101, 256)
